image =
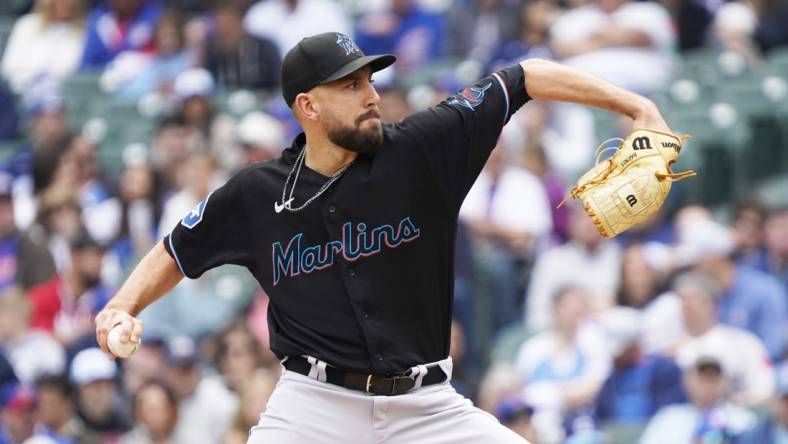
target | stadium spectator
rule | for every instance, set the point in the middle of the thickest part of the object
(253, 398)
(144, 364)
(238, 355)
(60, 219)
(117, 26)
(394, 106)
(734, 29)
(749, 236)
(505, 233)
(170, 147)
(746, 361)
(531, 40)
(261, 136)
(16, 414)
(615, 39)
(66, 304)
(640, 384)
(211, 131)
(155, 416)
(516, 415)
(237, 59)
(139, 215)
(564, 367)
(477, 29)
(708, 417)
(133, 74)
(776, 241)
(198, 177)
(49, 41)
(205, 405)
(501, 382)
(642, 286)
(286, 22)
(24, 258)
(99, 404)
(34, 164)
(751, 299)
(535, 161)
(405, 29)
(100, 212)
(773, 429)
(557, 267)
(56, 412)
(31, 353)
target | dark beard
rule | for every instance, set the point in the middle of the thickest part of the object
(355, 139)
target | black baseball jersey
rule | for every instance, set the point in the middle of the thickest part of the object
(362, 277)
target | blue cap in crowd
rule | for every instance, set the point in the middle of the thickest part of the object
(512, 408)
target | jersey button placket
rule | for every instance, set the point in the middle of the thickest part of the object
(332, 209)
(351, 272)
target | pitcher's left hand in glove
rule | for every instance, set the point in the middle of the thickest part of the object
(631, 185)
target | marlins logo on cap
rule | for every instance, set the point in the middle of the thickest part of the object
(346, 43)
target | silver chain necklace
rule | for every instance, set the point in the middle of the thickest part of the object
(287, 204)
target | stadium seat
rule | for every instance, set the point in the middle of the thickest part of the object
(777, 60)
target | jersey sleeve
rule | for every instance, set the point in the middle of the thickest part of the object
(214, 233)
(458, 134)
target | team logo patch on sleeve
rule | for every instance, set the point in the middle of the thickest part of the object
(470, 97)
(195, 216)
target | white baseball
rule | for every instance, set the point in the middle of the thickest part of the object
(118, 347)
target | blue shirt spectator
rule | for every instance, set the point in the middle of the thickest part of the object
(119, 26)
(640, 384)
(756, 301)
(634, 394)
(772, 429)
(413, 35)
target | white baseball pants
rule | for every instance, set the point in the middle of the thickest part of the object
(305, 410)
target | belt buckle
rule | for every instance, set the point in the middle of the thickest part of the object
(369, 383)
(393, 384)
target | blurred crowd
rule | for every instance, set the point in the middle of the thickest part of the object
(674, 332)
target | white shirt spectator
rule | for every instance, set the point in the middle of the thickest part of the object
(661, 325)
(744, 357)
(208, 414)
(273, 19)
(519, 202)
(36, 48)
(595, 271)
(677, 424)
(642, 69)
(546, 365)
(34, 354)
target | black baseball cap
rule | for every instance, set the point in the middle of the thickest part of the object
(323, 58)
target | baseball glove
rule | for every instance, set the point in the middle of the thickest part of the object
(630, 185)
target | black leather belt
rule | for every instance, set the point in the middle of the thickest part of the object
(369, 383)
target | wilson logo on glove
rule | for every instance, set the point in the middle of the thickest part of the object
(631, 185)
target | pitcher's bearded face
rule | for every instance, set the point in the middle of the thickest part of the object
(349, 112)
(364, 135)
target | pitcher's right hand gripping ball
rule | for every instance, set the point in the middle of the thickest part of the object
(631, 185)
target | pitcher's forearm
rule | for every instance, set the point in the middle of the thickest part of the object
(547, 80)
(156, 274)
